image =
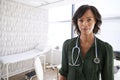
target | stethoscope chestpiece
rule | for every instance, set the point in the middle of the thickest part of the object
(96, 60)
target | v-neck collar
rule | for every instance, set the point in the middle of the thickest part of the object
(88, 52)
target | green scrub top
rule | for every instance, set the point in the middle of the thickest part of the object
(87, 70)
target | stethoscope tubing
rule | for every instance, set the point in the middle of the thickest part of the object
(74, 62)
(76, 47)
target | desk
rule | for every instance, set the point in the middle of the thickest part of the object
(20, 57)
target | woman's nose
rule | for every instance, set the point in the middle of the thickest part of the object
(85, 23)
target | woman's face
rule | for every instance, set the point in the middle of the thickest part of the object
(86, 22)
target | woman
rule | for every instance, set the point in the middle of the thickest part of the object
(86, 57)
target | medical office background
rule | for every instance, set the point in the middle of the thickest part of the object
(23, 28)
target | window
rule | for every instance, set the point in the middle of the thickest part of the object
(59, 25)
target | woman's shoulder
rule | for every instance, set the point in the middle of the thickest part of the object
(106, 48)
(104, 44)
(71, 40)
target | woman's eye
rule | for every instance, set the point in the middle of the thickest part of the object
(80, 20)
(88, 20)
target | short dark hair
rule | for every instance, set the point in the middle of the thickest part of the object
(80, 12)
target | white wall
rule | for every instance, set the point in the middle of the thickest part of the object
(110, 31)
(21, 28)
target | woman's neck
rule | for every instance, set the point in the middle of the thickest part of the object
(85, 43)
(87, 38)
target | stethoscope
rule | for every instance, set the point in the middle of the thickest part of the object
(74, 62)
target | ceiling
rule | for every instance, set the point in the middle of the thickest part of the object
(45, 3)
(109, 9)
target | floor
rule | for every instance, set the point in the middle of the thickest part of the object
(49, 74)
